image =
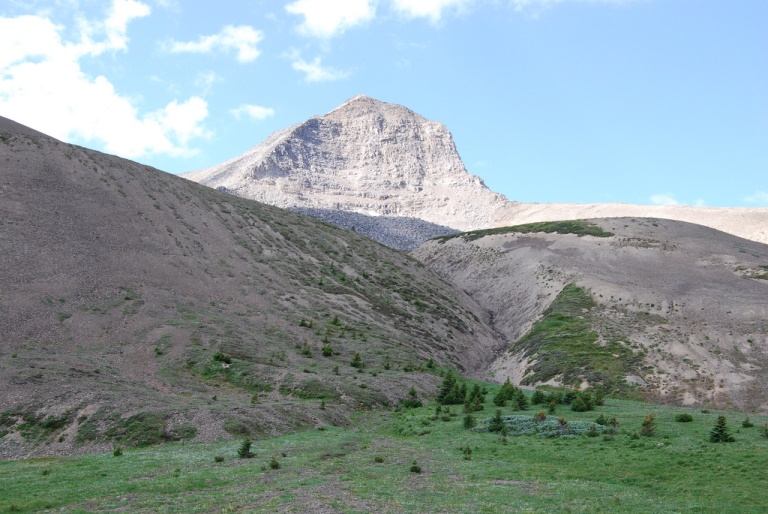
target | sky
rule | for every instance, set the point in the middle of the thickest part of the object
(584, 101)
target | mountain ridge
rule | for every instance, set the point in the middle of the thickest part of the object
(373, 157)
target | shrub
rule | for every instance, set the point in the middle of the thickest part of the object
(747, 423)
(648, 426)
(719, 433)
(219, 458)
(117, 452)
(579, 405)
(538, 397)
(469, 421)
(378, 459)
(602, 420)
(683, 418)
(599, 397)
(222, 357)
(541, 416)
(467, 452)
(244, 452)
(415, 468)
(357, 361)
(274, 464)
(764, 431)
(327, 350)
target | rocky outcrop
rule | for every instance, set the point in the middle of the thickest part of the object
(365, 156)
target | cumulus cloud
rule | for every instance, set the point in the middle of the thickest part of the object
(257, 112)
(432, 9)
(758, 197)
(664, 199)
(242, 38)
(315, 71)
(325, 19)
(43, 85)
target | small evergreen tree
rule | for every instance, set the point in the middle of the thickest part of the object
(552, 407)
(357, 361)
(720, 432)
(475, 399)
(520, 400)
(412, 401)
(538, 397)
(497, 422)
(505, 393)
(747, 423)
(449, 381)
(599, 397)
(469, 421)
(451, 391)
(244, 452)
(648, 426)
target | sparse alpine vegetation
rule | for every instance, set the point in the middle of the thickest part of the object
(578, 227)
(564, 345)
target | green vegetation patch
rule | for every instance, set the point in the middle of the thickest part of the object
(551, 428)
(142, 429)
(564, 345)
(370, 466)
(578, 227)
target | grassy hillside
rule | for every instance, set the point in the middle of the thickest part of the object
(370, 467)
(139, 305)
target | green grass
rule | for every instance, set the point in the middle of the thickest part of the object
(565, 346)
(367, 468)
(578, 227)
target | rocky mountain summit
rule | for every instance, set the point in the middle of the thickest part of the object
(374, 158)
(365, 156)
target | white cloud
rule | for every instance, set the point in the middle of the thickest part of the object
(316, 72)
(664, 199)
(327, 19)
(758, 197)
(257, 112)
(242, 38)
(43, 85)
(432, 9)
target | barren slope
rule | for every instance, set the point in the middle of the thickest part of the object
(135, 304)
(679, 307)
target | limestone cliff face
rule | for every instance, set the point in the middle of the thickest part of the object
(365, 156)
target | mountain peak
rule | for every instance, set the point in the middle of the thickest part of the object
(365, 156)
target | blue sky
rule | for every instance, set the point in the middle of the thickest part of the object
(637, 101)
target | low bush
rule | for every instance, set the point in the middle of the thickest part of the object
(683, 418)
